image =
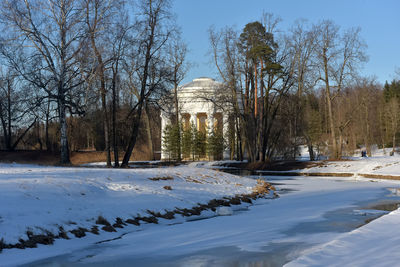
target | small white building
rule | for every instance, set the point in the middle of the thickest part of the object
(197, 105)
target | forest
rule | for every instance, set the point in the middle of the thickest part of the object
(93, 75)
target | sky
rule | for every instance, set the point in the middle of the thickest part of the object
(379, 21)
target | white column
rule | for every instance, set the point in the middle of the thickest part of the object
(193, 119)
(225, 134)
(164, 121)
(211, 120)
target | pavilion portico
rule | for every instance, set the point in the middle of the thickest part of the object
(197, 108)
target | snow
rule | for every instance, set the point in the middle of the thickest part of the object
(375, 244)
(384, 165)
(300, 225)
(247, 232)
(38, 198)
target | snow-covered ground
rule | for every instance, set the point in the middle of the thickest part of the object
(380, 165)
(308, 224)
(269, 233)
(375, 244)
(41, 199)
(383, 165)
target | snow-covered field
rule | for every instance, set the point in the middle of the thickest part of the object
(293, 227)
(380, 165)
(41, 199)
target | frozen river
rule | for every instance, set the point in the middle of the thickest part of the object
(310, 211)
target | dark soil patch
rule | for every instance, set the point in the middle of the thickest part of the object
(61, 233)
(108, 228)
(148, 219)
(79, 232)
(101, 220)
(119, 223)
(164, 178)
(134, 221)
(168, 215)
(94, 230)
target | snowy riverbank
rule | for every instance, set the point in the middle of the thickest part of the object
(297, 226)
(374, 244)
(38, 200)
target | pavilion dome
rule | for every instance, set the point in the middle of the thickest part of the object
(201, 83)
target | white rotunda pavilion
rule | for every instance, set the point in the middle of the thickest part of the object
(196, 106)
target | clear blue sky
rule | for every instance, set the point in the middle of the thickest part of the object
(379, 21)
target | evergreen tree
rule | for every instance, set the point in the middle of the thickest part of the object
(186, 142)
(215, 145)
(199, 144)
(171, 141)
(391, 90)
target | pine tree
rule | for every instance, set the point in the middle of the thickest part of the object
(199, 143)
(187, 142)
(171, 141)
(166, 141)
(215, 145)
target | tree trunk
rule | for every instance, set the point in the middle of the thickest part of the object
(103, 95)
(261, 132)
(39, 139)
(106, 127)
(255, 90)
(5, 129)
(9, 139)
(64, 149)
(340, 144)
(394, 143)
(176, 104)
(310, 150)
(335, 154)
(134, 134)
(143, 85)
(47, 141)
(148, 131)
(114, 117)
(367, 141)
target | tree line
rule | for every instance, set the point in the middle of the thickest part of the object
(302, 87)
(78, 74)
(84, 70)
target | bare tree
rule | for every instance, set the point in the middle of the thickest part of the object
(259, 74)
(177, 51)
(51, 30)
(147, 71)
(16, 109)
(226, 56)
(338, 56)
(392, 110)
(100, 17)
(301, 40)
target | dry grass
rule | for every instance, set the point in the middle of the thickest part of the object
(380, 176)
(77, 158)
(35, 157)
(262, 187)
